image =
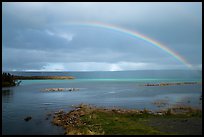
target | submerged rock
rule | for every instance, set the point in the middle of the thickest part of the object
(160, 103)
(49, 114)
(28, 118)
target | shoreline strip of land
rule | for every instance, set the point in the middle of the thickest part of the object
(42, 77)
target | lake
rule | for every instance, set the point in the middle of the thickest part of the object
(123, 89)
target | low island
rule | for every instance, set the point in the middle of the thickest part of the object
(9, 80)
(171, 83)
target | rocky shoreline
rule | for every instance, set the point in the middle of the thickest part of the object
(86, 119)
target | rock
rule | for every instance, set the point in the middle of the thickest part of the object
(56, 121)
(159, 113)
(185, 120)
(49, 114)
(150, 112)
(160, 103)
(28, 118)
(82, 113)
(59, 112)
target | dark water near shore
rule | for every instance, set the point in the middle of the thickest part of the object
(108, 89)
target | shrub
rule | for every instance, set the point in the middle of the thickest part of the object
(9, 80)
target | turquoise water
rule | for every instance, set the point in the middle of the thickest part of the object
(25, 82)
(105, 89)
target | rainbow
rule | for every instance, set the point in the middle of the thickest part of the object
(136, 35)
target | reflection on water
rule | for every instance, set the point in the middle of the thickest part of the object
(7, 92)
(7, 95)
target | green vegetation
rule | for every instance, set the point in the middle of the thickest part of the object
(86, 120)
(111, 123)
(9, 80)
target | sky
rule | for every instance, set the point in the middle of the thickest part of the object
(88, 36)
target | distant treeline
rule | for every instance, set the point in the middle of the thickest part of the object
(9, 80)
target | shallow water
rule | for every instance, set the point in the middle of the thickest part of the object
(28, 99)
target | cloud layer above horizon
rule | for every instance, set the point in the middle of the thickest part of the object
(48, 36)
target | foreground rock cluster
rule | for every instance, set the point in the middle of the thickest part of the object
(71, 120)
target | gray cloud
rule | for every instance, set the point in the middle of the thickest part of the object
(37, 36)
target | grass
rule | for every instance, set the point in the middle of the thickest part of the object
(111, 123)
